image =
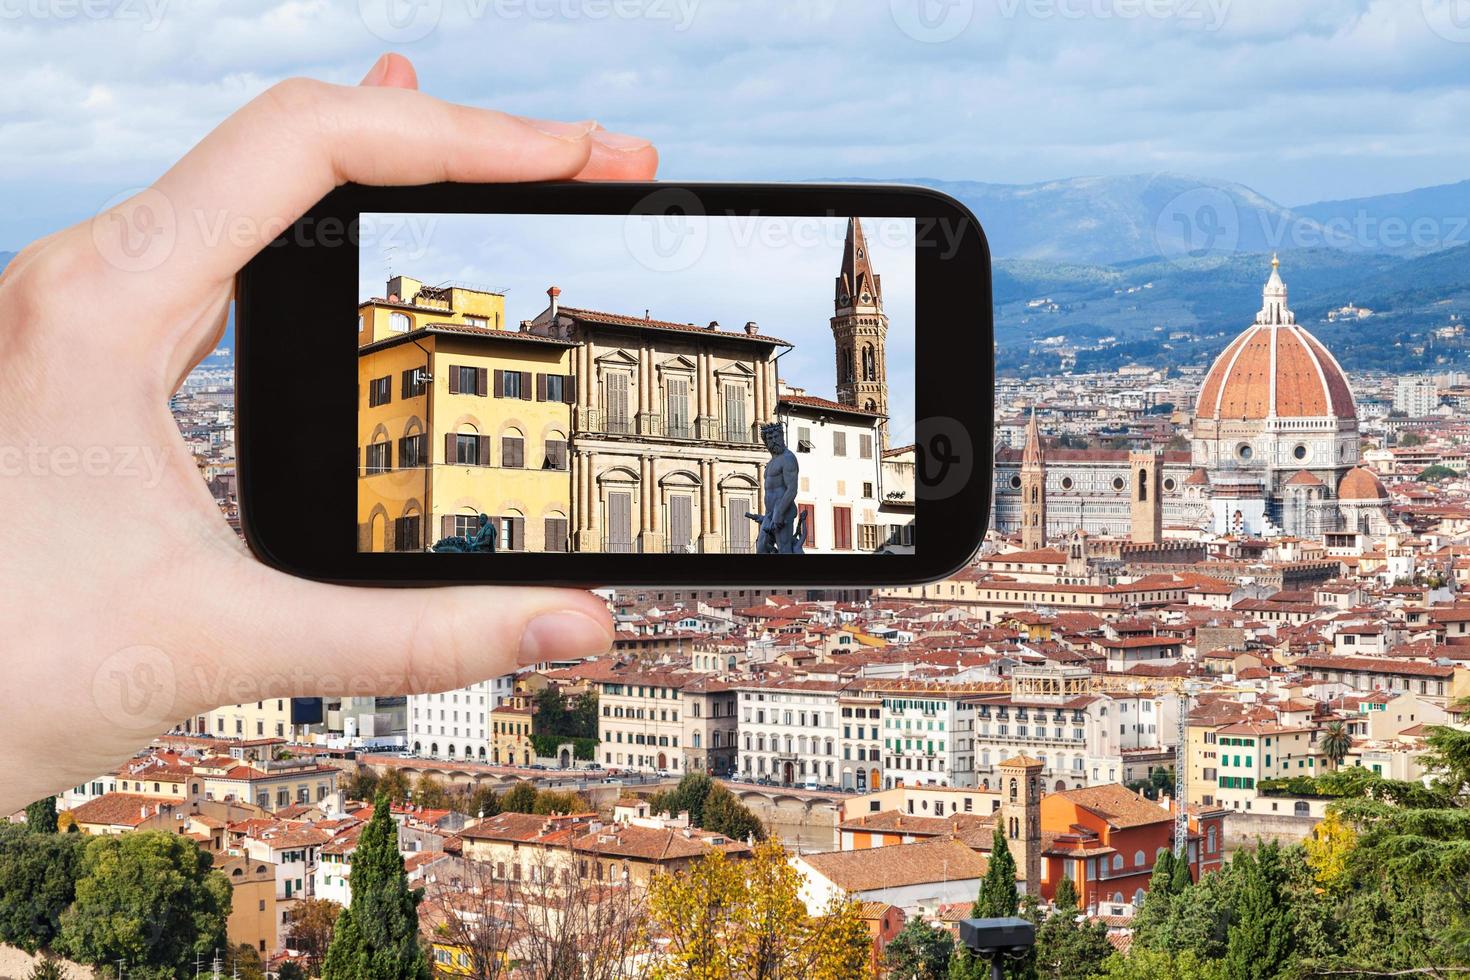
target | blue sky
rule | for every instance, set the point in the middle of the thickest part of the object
(777, 271)
(1300, 99)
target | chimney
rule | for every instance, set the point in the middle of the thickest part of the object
(553, 292)
(751, 328)
(714, 325)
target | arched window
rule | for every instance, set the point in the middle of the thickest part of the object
(869, 364)
(1117, 862)
(1138, 899)
(1143, 485)
(398, 322)
(1118, 898)
(1013, 788)
(1210, 840)
(1138, 859)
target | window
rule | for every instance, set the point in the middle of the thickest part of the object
(512, 384)
(398, 322)
(407, 534)
(677, 412)
(554, 388)
(867, 487)
(865, 450)
(380, 391)
(465, 380)
(413, 451)
(467, 449)
(804, 439)
(808, 515)
(839, 443)
(556, 533)
(512, 452)
(868, 537)
(556, 455)
(413, 382)
(379, 457)
(615, 395)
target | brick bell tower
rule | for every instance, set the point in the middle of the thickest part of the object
(1033, 488)
(860, 329)
(1020, 816)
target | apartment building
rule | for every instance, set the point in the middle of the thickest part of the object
(928, 734)
(860, 710)
(456, 724)
(789, 729)
(642, 725)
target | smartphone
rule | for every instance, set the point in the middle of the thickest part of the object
(618, 383)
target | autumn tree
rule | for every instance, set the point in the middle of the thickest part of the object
(430, 792)
(731, 919)
(312, 923)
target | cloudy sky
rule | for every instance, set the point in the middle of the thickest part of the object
(777, 271)
(1300, 99)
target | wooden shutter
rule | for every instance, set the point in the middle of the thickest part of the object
(450, 456)
(865, 446)
(679, 406)
(541, 387)
(423, 438)
(482, 382)
(617, 398)
(735, 428)
(387, 455)
(841, 528)
(517, 534)
(446, 526)
(809, 537)
(499, 383)
(569, 389)
(839, 443)
(526, 386)
(737, 525)
(407, 382)
(681, 520)
(556, 533)
(484, 448)
(619, 519)
(454, 379)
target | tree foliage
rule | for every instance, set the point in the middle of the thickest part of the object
(38, 874)
(41, 816)
(376, 937)
(919, 952)
(520, 798)
(728, 919)
(1065, 946)
(148, 899)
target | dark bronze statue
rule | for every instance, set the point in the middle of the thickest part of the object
(481, 542)
(783, 526)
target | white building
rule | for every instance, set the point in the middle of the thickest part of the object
(837, 449)
(1415, 396)
(928, 735)
(456, 722)
(789, 730)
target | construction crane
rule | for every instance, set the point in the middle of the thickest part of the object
(1184, 696)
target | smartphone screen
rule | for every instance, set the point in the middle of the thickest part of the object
(638, 384)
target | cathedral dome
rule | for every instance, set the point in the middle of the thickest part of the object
(1361, 484)
(1275, 369)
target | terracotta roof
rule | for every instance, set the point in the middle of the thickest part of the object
(1361, 484)
(1118, 805)
(1275, 370)
(121, 809)
(644, 323)
(655, 844)
(826, 405)
(1198, 478)
(1304, 479)
(897, 865)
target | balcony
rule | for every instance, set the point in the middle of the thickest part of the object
(679, 429)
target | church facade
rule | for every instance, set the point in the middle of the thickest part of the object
(1274, 449)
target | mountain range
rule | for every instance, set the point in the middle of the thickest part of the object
(1090, 273)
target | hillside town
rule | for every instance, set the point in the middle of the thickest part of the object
(1205, 602)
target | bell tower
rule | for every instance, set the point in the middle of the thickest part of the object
(860, 330)
(1033, 488)
(1020, 816)
(1146, 506)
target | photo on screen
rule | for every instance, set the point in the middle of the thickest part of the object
(598, 383)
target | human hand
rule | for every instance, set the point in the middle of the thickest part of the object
(114, 637)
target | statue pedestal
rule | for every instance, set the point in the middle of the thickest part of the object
(711, 544)
(651, 542)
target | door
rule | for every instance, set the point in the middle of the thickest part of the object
(842, 528)
(619, 522)
(788, 774)
(737, 525)
(681, 522)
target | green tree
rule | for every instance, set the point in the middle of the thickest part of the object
(430, 792)
(1150, 964)
(550, 801)
(244, 963)
(1065, 947)
(1261, 943)
(919, 952)
(520, 798)
(376, 937)
(998, 898)
(1435, 473)
(393, 784)
(290, 971)
(38, 875)
(689, 795)
(484, 802)
(41, 816)
(149, 899)
(362, 784)
(725, 814)
(1408, 440)
(1335, 742)
(47, 969)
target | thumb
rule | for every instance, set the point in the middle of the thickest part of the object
(296, 638)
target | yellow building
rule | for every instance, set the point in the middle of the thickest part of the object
(511, 726)
(252, 920)
(458, 416)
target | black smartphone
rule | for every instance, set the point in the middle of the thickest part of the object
(618, 383)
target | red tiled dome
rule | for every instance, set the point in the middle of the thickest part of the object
(1361, 484)
(1275, 371)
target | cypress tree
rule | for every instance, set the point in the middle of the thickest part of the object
(377, 935)
(1260, 944)
(41, 816)
(998, 898)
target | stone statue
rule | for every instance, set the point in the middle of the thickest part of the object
(783, 526)
(481, 542)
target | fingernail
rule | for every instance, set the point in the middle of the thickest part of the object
(376, 72)
(569, 131)
(563, 636)
(622, 142)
